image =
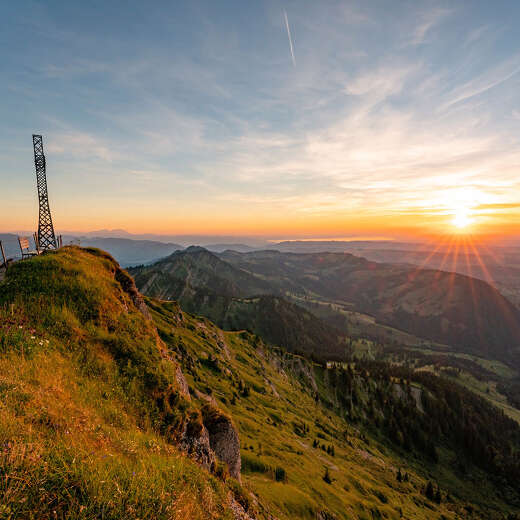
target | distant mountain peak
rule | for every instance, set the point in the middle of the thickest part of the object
(196, 249)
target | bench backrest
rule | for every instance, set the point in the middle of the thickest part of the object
(24, 242)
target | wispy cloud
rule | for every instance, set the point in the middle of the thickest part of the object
(425, 22)
(382, 82)
(81, 145)
(490, 79)
(290, 38)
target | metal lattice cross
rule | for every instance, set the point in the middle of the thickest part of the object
(46, 237)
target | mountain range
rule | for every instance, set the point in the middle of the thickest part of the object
(498, 265)
(234, 299)
(448, 308)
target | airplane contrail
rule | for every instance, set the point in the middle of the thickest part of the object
(290, 39)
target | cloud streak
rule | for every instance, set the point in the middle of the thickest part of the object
(487, 81)
(290, 38)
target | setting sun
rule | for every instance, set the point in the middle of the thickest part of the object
(461, 218)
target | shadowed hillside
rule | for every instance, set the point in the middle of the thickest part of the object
(234, 299)
(454, 309)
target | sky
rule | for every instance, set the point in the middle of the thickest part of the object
(280, 119)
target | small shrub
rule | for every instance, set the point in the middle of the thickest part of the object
(280, 475)
(326, 477)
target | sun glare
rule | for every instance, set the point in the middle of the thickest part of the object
(461, 219)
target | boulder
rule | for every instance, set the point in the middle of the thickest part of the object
(223, 438)
(194, 439)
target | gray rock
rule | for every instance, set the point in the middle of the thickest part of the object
(223, 438)
(195, 441)
(324, 515)
(181, 381)
(239, 513)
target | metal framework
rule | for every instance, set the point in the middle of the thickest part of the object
(46, 237)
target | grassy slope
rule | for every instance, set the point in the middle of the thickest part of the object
(364, 472)
(80, 430)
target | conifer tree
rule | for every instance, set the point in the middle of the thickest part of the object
(430, 495)
(326, 477)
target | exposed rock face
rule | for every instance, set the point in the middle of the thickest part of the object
(195, 441)
(181, 381)
(239, 513)
(128, 285)
(324, 515)
(223, 438)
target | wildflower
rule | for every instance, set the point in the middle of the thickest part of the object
(33, 337)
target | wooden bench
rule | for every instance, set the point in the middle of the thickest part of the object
(25, 248)
(4, 259)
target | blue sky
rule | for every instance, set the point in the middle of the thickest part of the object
(185, 117)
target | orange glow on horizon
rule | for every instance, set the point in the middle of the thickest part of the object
(460, 212)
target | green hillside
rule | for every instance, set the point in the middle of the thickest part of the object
(94, 419)
(284, 405)
(119, 407)
(449, 308)
(352, 295)
(234, 299)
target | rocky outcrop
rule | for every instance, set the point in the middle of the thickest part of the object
(223, 438)
(324, 515)
(238, 511)
(182, 383)
(128, 285)
(210, 436)
(194, 439)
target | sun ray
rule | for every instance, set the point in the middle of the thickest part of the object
(487, 275)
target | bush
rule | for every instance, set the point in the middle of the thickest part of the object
(327, 477)
(280, 475)
(252, 464)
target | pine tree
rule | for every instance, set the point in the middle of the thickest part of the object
(429, 491)
(326, 477)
